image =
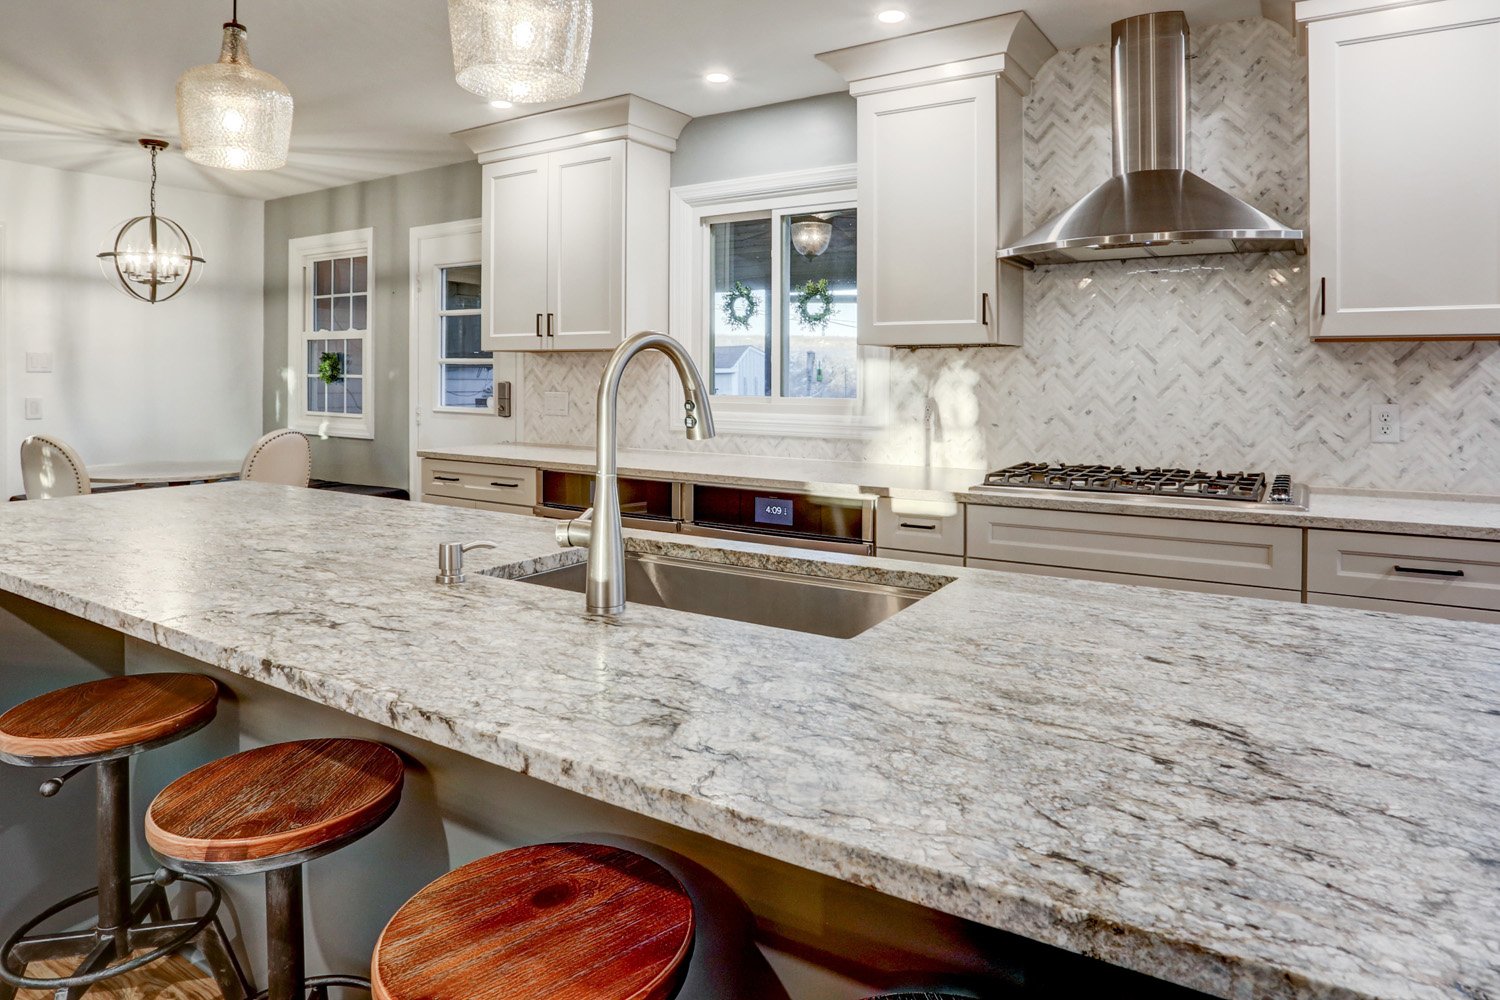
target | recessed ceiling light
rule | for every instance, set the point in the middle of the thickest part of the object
(716, 77)
(891, 16)
(502, 105)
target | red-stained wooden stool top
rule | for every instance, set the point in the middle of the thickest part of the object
(101, 717)
(561, 921)
(275, 800)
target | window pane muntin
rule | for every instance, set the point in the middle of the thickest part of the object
(740, 252)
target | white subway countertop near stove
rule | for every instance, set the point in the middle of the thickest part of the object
(1277, 801)
(1414, 514)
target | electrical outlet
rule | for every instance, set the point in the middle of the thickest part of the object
(37, 361)
(1385, 424)
(33, 408)
(555, 404)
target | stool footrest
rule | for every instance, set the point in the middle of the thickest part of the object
(317, 986)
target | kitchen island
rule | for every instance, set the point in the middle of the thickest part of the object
(1246, 798)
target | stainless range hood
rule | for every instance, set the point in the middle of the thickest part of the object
(1153, 206)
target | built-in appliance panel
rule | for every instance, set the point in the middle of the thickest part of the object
(1163, 583)
(573, 492)
(491, 483)
(1252, 555)
(782, 512)
(1455, 572)
(935, 526)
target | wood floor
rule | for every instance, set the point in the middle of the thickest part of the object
(172, 978)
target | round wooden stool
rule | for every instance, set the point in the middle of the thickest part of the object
(104, 723)
(554, 921)
(271, 810)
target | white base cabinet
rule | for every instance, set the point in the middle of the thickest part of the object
(1404, 153)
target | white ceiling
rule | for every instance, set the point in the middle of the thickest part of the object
(80, 80)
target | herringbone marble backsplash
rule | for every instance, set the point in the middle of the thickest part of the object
(1201, 361)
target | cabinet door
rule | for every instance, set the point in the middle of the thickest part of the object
(1404, 147)
(515, 254)
(928, 224)
(586, 233)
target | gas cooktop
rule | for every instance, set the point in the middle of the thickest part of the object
(1192, 485)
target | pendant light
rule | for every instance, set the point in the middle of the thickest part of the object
(231, 114)
(149, 257)
(522, 51)
(810, 236)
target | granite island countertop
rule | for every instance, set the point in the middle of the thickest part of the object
(1247, 798)
(1353, 510)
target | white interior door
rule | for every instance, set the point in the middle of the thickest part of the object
(454, 380)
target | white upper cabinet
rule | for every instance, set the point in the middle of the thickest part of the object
(1404, 162)
(940, 179)
(575, 207)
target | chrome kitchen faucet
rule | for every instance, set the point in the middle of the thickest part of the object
(599, 527)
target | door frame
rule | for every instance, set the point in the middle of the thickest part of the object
(417, 236)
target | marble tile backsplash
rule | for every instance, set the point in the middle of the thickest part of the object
(1193, 360)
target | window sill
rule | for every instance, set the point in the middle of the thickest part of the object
(329, 426)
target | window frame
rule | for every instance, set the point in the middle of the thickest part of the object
(775, 196)
(441, 361)
(302, 253)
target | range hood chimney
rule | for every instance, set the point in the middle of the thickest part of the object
(1153, 206)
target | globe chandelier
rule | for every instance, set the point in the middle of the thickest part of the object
(150, 257)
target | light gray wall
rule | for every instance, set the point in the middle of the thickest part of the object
(391, 206)
(796, 135)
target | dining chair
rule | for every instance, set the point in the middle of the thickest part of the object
(282, 456)
(50, 468)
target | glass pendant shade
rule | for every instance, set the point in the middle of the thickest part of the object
(522, 51)
(232, 115)
(149, 257)
(810, 236)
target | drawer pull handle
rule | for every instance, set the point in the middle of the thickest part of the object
(1428, 572)
(446, 479)
(509, 484)
(922, 527)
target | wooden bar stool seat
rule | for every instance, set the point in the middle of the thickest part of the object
(105, 719)
(271, 810)
(102, 724)
(554, 921)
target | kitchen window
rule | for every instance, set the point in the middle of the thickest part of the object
(466, 372)
(766, 269)
(329, 344)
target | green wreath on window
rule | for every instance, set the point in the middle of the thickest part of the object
(740, 306)
(815, 304)
(330, 367)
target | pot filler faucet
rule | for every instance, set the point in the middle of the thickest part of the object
(599, 527)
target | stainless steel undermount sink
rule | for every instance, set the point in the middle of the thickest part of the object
(820, 605)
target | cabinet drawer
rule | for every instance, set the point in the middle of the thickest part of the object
(1195, 586)
(920, 525)
(1451, 571)
(1247, 555)
(935, 558)
(508, 484)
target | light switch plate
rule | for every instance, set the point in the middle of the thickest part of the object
(38, 361)
(33, 408)
(555, 404)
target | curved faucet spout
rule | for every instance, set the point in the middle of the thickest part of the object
(605, 589)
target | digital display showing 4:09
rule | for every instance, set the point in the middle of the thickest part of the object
(773, 510)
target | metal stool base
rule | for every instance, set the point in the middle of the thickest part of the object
(316, 987)
(104, 953)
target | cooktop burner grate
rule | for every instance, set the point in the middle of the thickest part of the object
(1245, 487)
